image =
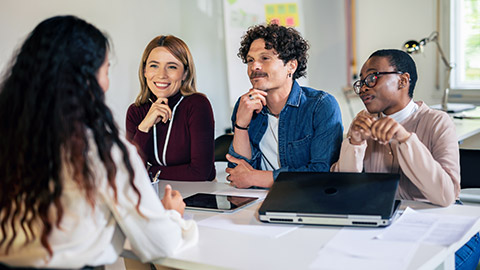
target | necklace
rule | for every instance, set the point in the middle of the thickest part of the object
(269, 112)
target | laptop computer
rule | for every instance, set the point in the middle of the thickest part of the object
(329, 198)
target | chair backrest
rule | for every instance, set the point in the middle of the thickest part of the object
(469, 165)
(222, 144)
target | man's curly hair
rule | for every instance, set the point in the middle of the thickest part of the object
(287, 42)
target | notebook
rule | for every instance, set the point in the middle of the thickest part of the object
(328, 198)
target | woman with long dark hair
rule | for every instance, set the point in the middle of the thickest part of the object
(71, 187)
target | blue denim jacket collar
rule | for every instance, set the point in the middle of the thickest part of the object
(295, 95)
(293, 98)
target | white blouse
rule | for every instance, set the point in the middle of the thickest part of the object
(96, 236)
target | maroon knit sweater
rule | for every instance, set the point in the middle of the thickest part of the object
(190, 151)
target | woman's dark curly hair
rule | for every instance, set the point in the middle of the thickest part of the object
(50, 105)
(287, 42)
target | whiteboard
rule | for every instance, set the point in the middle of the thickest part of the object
(239, 15)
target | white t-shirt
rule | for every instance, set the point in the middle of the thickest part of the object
(96, 236)
(269, 145)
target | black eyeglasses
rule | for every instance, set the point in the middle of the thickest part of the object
(371, 80)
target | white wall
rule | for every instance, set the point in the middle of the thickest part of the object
(325, 29)
(203, 33)
(132, 24)
(386, 24)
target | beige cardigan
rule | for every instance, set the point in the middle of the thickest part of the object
(428, 162)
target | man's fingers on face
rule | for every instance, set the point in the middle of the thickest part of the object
(263, 100)
(258, 92)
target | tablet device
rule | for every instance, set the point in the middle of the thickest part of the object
(216, 202)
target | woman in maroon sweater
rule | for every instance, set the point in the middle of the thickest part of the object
(170, 122)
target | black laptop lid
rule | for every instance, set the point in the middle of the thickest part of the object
(332, 193)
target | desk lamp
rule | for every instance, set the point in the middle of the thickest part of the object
(413, 47)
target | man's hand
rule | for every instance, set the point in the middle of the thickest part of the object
(245, 176)
(250, 102)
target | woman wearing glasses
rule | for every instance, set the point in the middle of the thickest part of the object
(397, 135)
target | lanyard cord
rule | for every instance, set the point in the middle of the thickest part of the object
(165, 145)
(268, 161)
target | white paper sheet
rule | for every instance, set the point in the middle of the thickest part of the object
(435, 229)
(245, 221)
(335, 260)
(357, 248)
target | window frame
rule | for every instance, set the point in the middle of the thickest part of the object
(456, 47)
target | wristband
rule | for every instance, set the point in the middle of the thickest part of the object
(239, 127)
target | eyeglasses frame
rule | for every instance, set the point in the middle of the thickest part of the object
(376, 74)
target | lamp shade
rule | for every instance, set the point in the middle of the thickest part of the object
(412, 46)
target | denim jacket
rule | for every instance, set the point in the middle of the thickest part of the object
(310, 132)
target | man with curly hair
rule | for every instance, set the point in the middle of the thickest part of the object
(279, 125)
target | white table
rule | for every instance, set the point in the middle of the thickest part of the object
(466, 128)
(223, 249)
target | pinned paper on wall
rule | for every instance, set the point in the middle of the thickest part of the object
(282, 14)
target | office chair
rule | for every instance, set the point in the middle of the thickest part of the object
(222, 144)
(469, 180)
(469, 162)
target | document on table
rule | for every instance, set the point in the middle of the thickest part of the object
(357, 248)
(245, 221)
(392, 247)
(414, 226)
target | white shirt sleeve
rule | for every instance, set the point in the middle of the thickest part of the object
(153, 232)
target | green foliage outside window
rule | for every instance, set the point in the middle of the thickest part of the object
(472, 43)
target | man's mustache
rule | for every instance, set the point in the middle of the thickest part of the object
(258, 74)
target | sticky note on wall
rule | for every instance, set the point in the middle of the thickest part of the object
(285, 14)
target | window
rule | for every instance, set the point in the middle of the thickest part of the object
(465, 45)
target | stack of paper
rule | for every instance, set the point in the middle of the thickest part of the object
(392, 247)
